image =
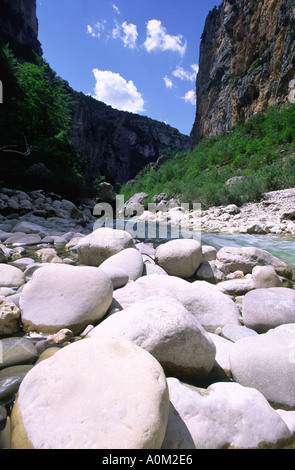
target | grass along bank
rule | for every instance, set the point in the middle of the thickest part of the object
(262, 149)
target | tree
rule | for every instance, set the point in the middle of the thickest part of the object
(45, 109)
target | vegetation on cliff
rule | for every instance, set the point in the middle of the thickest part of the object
(35, 120)
(262, 149)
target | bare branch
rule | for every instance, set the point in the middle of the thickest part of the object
(10, 149)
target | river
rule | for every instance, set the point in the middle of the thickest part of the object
(281, 246)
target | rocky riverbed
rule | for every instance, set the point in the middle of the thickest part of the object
(95, 325)
(273, 214)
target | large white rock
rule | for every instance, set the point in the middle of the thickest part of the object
(11, 276)
(289, 418)
(216, 309)
(164, 328)
(246, 258)
(222, 361)
(180, 257)
(267, 363)
(266, 276)
(210, 307)
(98, 393)
(225, 415)
(128, 260)
(268, 308)
(62, 296)
(236, 287)
(99, 245)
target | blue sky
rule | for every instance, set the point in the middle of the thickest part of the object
(135, 55)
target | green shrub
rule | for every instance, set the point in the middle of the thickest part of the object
(261, 149)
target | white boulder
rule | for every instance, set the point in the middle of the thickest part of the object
(180, 257)
(104, 242)
(61, 296)
(164, 328)
(99, 393)
(267, 363)
(223, 416)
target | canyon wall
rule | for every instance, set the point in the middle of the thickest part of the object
(118, 144)
(19, 28)
(246, 63)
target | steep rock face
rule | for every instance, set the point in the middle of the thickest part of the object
(19, 28)
(118, 144)
(247, 60)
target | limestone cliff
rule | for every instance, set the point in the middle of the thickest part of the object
(247, 60)
(19, 28)
(118, 144)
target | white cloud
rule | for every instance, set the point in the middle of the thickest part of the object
(190, 97)
(96, 30)
(116, 31)
(157, 38)
(130, 35)
(127, 32)
(91, 31)
(116, 9)
(182, 74)
(168, 82)
(115, 91)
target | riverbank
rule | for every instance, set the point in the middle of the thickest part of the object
(273, 214)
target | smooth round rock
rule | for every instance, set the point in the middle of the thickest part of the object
(49, 352)
(6, 291)
(235, 332)
(61, 296)
(222, 360)
(16, 351)
(128, 261)
(268, 308)
(11, 276)
(150, 269)
(209, 253)
(223, 416)
(180, 257)
(23, 240)
(22, 263)
(104, 242)
(98, 393)
(265, 276)
(267, 362)
(236, 287)
(209, 306)
(165, 329)
(10, 380)
(246, 258)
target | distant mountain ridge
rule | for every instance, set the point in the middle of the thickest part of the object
(247, 60)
